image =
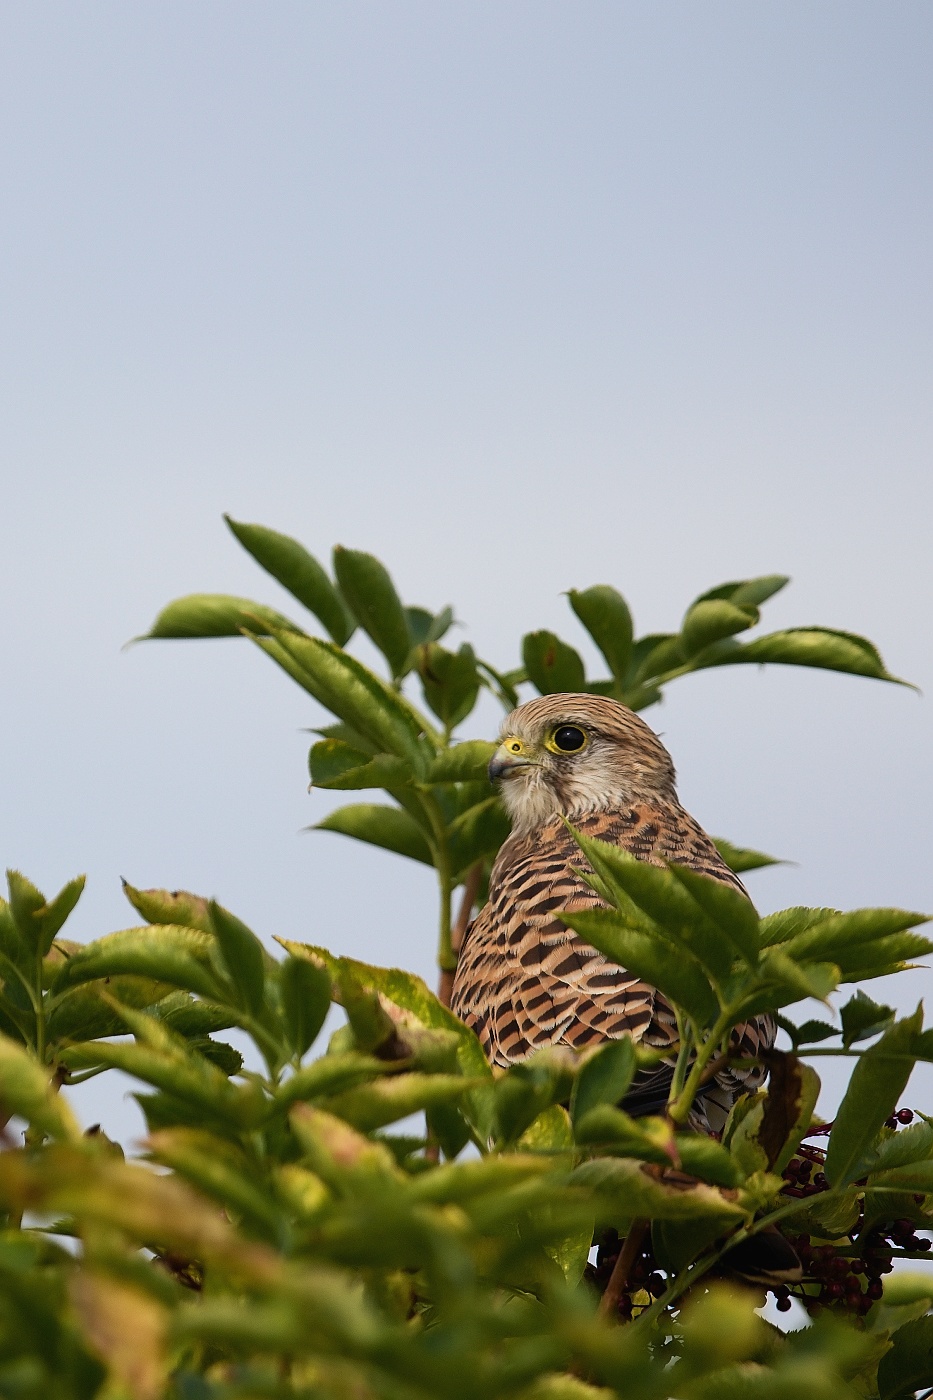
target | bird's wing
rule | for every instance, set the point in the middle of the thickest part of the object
(525, 981)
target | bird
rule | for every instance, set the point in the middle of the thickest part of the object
(524, 980)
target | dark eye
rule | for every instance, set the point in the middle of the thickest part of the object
(570, 738)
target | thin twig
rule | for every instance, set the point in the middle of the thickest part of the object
(618, 1279)
(470, 890)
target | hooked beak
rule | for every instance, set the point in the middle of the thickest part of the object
(509, 756)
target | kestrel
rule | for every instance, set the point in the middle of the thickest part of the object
(524, 979)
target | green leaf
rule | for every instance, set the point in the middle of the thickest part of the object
(809, 1033)
(611, 1129)
(170, 1066)
(356, 695)
(219, 1169)
(425, 626)
(840, 933)
(728, 907)
(370, 592)
(813, 646)
(26, 1090)
(388, 827)
(462, 763)
(710, 621)
(551, 664)
(407, 991)
(477, 832)
(50, 918)
(26, 902)
(655, 654)
(340, 768)
(905, 1148)
(673, 971)
(862, 1018)
(332, 1074)
(170, 907)
(660, 894)
(387, 1100)
(877, 1082)
(739, 859)
(605, 1078)
(629, 1190)
(606, 616)
(751, 591)
(707, 1159)
(908, 1366)
(787, 923)
(294, 568)
(450, 681)
(528, 1089)
(165, 952)
(242, 955)
(215, 615)
(305, 990)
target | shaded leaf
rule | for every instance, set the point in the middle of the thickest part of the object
(606, 616)
(387, 1100)
(450, 681)
(338, 766)
(728, 907)
(605, 1077)
(127, 1328)
(861, 1018)
(305, 991)
(877, 1082)
(908, 1366)
(466, 762)
(477, 832)
(242, 954)
(551, 664)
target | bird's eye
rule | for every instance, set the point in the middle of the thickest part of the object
(569, 738)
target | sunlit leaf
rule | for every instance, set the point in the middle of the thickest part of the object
(215, 615)
(388, 827)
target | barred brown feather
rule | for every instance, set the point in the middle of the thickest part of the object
(524, 979)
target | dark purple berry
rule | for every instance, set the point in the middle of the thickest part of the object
(783, 1304)
(875, 1289)
(904, 1115)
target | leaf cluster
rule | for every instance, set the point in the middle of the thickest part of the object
(385, 1216)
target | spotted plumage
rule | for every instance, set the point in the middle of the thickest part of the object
(524, 979)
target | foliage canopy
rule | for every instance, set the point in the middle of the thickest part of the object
(382, 1217)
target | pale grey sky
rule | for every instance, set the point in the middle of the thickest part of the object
(521, 297)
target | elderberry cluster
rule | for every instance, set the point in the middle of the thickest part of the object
(644, 1275)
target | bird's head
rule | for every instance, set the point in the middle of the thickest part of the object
(572, 754)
